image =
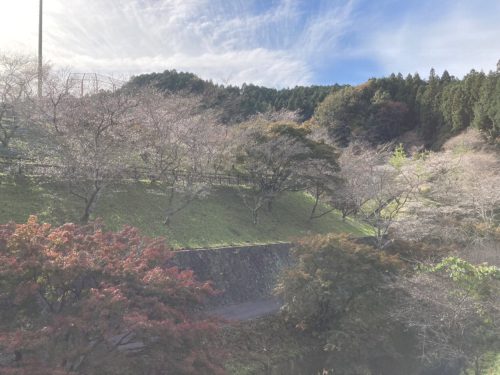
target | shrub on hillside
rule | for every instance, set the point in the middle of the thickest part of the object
(374, 312)
(337, 292)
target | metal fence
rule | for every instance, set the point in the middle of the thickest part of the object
(81, 84)
(29, 167)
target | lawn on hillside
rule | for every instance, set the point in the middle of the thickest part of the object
(490, 365)
(218, 220)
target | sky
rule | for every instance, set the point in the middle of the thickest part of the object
(275, 43)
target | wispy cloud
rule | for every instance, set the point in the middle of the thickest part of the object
(270, 42)
(465, 37)
(229, 41)
(322, 34)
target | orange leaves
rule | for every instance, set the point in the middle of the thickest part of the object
(25, 290)
(138, 320)
(156, 276)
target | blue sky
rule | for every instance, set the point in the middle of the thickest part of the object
(277, 43)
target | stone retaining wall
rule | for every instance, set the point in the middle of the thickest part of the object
(241, 273)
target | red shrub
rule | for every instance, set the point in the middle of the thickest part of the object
(75, 299)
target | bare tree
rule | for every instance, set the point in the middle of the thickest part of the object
(17, 74)
(283, 115)
(180, 143)
(477, 186)
(391, 189)
(375, 185)
(454, 313)
(357, 163)
(94, 143)
(457, 201)
(57, 89)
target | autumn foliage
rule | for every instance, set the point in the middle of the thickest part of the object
(336, 294)
(78, 300)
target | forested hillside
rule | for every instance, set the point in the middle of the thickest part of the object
(237, 103)
(437, 108)
(379, 110)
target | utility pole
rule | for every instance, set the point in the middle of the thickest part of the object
(40, 29)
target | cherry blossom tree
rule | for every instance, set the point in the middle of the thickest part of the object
(453, 308)
(457, 201)
(375, 185)
(95, 143)
(17, 74)
(180, 143)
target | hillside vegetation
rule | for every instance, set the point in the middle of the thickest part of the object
(217, 220)
(378, 110)
(207, 165)
(236, 103)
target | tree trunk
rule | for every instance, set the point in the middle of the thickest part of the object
(270, 205)
(316, 201)
(477, 366)
(167, 220)
(254, 216)
(181, 204)
(89, 205)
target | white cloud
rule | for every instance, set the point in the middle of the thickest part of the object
(322, 33)
(458, 42)
(233, 41)
(18, 25)
(215, 39)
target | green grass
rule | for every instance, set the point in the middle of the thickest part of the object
(493, 367)
(218, 220)
(490, 365)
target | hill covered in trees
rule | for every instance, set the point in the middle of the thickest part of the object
(437, 108)
(379, 110)
(237, 103)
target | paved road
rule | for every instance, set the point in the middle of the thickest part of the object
(248, 310)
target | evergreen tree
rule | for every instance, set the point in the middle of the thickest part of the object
(487, 109)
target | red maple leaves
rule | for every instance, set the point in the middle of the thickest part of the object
(76, 299)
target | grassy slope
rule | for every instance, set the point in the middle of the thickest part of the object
(494, 365)
(220, 219)
(491, 365)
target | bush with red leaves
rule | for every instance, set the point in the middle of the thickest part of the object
(77, 300)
